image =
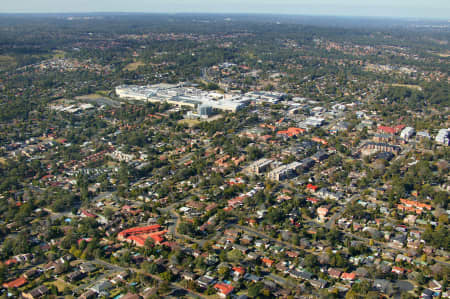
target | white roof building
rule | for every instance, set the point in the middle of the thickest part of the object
(182, 96)
(407, 133)
(443, 136)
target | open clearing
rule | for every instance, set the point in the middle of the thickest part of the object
(61, 285)
(443, 55)
(193, 122)
(416, 87)
(94, 98)
(189, 122)
(58, 54)
(133, 66)
(7, 61)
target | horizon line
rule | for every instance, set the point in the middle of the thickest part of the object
(228, 13)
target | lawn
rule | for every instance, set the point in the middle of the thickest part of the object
(443, 55)
(189, 122)
(61, 285)
(133, 66)
(416, 87)
(7, 61)
(58, 54)
(92, 96)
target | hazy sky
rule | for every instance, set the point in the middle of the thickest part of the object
(388, 8)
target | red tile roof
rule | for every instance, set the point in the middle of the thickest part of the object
(334, 273)
(267, 261)
(140, 230)
(399, 270)
(348, 276)
(239, 270)
(322, 211)
(17, 283)
(140, 239)
(312, 200)
(10, 262)
(291, 132)
(320, 140)
(88, 214)
(138, 235)
(391, 130)
(224, 288)
(416, 204)
(312, 187)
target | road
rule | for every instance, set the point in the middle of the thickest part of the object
(173, 228)
(365, 240)
(58, 215)
(174, 285)
(176, 220)
(115, 269)
(111, 270)
(404, 286)
(84, 287)
(385, 245)
(332, 221)
(102, 196)
(281, 281)
(375, 242)
(264, 236)
(185, 159)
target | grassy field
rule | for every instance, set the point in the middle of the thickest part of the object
(215, 117)
(58, 54)
(189, 122)
(443, 55)
(92, 96)
(416, 87)
(99, 98)
(7, 61)
(61, 285)
(103, 93)
(111, 164)
(193, 122)
(134, 66)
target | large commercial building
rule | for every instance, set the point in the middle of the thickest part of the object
(204, 110)
(265, 96)
(138, 235)
(312, 121)
(373, 147)
(285, 171)
(407, 133)
(259, 166)
(182, 96)
(443, 136)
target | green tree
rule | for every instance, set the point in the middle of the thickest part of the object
(167, 276)
(254, 290)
